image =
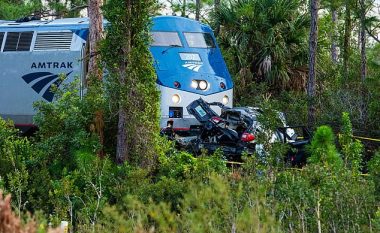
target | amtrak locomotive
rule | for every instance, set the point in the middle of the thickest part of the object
(187, 60)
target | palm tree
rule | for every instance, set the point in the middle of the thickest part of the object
(268, 38)
(216, 9)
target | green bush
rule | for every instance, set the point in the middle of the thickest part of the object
(323, 149)
(374, 171)
(352, 150)
(215, 206)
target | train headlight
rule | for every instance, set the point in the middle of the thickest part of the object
(176, 98)
(194, 84)
(203, 85)
(225, 100)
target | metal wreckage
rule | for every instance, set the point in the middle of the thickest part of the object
(235, 132)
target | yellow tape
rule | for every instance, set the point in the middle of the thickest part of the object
(369, 139)
(231, 162)
(290, 168)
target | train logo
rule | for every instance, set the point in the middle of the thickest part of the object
(39, 80)
(193, 66)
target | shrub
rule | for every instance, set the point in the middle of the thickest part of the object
(351, 149)
(215, 206)
(11, 223)
(323, 149)
(374, 171)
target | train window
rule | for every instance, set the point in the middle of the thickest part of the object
(166, 39)
(1, 38)
(18, 41)
(199, 40)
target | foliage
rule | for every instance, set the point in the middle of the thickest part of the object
(374, 169)
(376, 221)
(131, 79)
(215, 206)
(184, 193)
(318, 194)
(15, 9)
(188, 8)
(315, 197)
(7, 133)
(57, 175)
(268, 40)
(351, 149)
(9, 222)
(65, 126)
(182, 165)
(323, 149)
(67, 9)
(15, 153)
(372, 82)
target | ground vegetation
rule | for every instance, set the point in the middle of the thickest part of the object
(142, 183)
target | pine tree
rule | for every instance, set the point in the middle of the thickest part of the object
(314, 4)
(94, 71)
(197, 9)
(347, 38)
(131, 79)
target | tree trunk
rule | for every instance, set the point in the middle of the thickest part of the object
(197, 9)
(318, 211)
(359, 35)
(94, 71)
(96, 33)
(122, 152)
(183, 13)
(334, 51)
(216, 9)
(347, 37)
(363, 70)
(312, 61)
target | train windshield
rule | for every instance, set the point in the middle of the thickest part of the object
(166, 39)
(199, 40)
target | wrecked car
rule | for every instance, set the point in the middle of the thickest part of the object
(234, 132)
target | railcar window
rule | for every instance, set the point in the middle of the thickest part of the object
(166, 39)
(199, 40)
(18, 41)
(1, 38)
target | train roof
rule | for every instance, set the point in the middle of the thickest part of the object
(68, 23)
(159, 23)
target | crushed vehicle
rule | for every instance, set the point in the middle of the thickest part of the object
(234, 132)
